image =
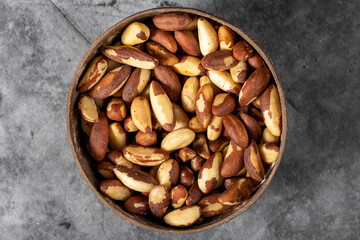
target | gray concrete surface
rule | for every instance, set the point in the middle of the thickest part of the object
(315, 193)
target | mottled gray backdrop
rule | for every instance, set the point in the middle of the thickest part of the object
(315, 46)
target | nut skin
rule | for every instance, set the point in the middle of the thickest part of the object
(210, 206)
(208, 38)
(233, 161)
(145, 156)
(196, 163)
(256, 103)
(99, 138)
(188, 94)
(268, 152)
(172, 21)
(186, 176)
(135, 33)
(129, 125)
(178, 196)
(193, 25)
(159, 201)
(162, 107)
(239, 72)
(177, 139)
(242, 51)
(116, 109)
(271, 109)
(195, 126)
(146, 139)
(254, 86)
(86, 126)
(237, 193)
(117, 158)
(230, 181)
(159, 52)
(164, 38)
(105, 168)
(255, 113)
(195, 194)
(135, 179)
(219, 144)
(219, 60)
(186, 154)
(88, 109)
(253, 163)
(253, 128)
(169, 81)
(227, 38)
(204, 98)
(110, 83)
(209, 174)
(223, 104)
(130, 56)
(111, 64)
(168, 173)
(223, 80)
(137, 205)
(205, 80)
(93, 74)
(189, 66)
(214, 128)
(188, 42)
(256, 61)
(136, 83)
(141, 114)
(268, 137)
(182, 119)
(114, 189)
(201, 147)
(236, 130)
(117, 136)
(183, 217)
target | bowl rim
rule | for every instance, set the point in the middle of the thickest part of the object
(235, 211)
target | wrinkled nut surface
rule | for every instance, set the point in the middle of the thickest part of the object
(188, 42)
(253, 163)
(137, 205)
(236, 130)
(255, 113)
(164, 38)
(168, 173)
(162, 107)
(256, 102)
(177, 139)
(208, 39)
(268, 152)
(188, 94)
(145, 156)
(169, 81)
(189, 66)
(214, 128)
(183, 217)
(172, 21)
(256, 61)
(110, 83)
(146, 139)
(204, 98)
(129, 125)
(195, 125)
(117, 136)
(114, 189)
(186, 176)
(201, 147)
(99, 138)
(159, 201)
(195, 194)
(239, 72)
(230, 181)
(135, 33)
(135, 179)
(237, 193)
(271, 109)
(106, 169)
(219, 144)
(141, 114)
(136, 83)
(268, 137)
(242, 51)
(223, 80)
(227, 38)
(209, 174)
(253, 128)
(182, 119)
(130, 56)
(159, 52)
(118, 159)
(210, 206)
(185, 154)
(93, 74)
(116, 109)
(219, 60)
(233, 161)
(223, 104)
(254, 86)
(196, 163)
(178, 196)
(88, 109)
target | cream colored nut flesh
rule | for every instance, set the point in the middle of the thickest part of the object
(208, 38)
(88, 109)
(177, 139)
(135, 33)
(183, 217)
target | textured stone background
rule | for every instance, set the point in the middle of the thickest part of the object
(315, 193)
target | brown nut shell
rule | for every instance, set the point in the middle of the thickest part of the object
(186, 176)
(195, 194)
(236, 130)
(253, 163)
(116, 109)
(256, 61)
(99, 138)
(159, 201)
(136, 83)
(239, 72)
(164, 38)
(169, 81)
(204, 99)
(93, 74)
(145, 156)
(237, 193)
(146, 139)
(223, 104)
(106, 169)
(219, 60)
(196, 163)
(209, 174)
(185, 154)
(188, 42)
(219, 144)
(137, 205)
(172, 21)
(178, 196)
(195, 125)
(159, 52)
(253, 128)
(201, 147)
(242, 51)
(210, 206)
(233, 161)
(86, 126)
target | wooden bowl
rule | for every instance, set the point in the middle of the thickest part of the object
(86, 164)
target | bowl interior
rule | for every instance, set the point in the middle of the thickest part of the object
(86, 164)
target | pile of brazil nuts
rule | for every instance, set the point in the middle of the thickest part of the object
(183, 118)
